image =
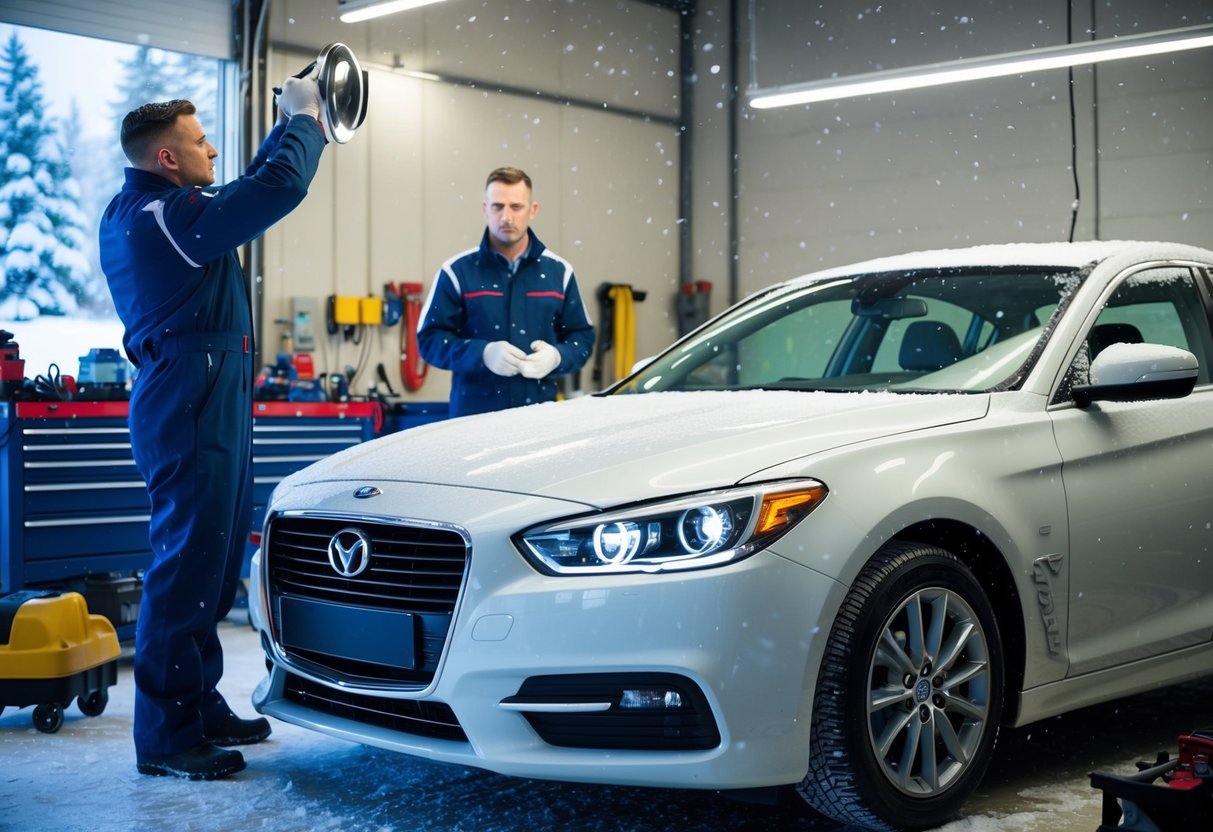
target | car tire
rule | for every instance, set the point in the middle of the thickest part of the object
(904, 725)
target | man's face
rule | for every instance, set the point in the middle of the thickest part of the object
(508, 212)
(192, 158)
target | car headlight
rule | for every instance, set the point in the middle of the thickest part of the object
(692, 532)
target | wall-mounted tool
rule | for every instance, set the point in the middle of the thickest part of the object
(616, 329)
(412, 368)
(694, 305)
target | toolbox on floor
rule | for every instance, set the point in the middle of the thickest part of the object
(53, 651)
(1170, 795)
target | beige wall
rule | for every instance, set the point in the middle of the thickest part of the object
(405, 194)
(984, 162)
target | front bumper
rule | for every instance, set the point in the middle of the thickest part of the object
(743, 641)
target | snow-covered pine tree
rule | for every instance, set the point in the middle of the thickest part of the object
(157, 75)
(43, 270)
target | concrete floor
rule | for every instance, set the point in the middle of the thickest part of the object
(83, 778)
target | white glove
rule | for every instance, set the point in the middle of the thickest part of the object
(542, 361)
(503, 358)
(300, 96)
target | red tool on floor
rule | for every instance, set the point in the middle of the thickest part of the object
(1183, 802)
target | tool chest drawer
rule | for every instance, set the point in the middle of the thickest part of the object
(289, 436)
(74, 504)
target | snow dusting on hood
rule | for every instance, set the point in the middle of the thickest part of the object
(607, 450)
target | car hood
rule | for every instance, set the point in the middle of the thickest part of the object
(606, 450)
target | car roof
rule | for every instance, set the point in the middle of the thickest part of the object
(1068, 255)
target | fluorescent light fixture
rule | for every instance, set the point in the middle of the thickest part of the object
(355, 11)
(975, 69)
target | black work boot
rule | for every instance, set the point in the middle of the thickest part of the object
(204, 761)
(232, 730)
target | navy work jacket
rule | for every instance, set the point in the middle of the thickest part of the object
(475, 300)
(169, 252)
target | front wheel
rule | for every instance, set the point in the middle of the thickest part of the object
(909, 695)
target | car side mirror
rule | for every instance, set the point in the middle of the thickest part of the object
(1138, 372)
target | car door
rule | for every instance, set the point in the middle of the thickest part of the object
(1138, 480)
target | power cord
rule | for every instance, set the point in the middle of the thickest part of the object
(49, 388)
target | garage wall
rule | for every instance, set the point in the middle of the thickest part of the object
(582, 96)
(809, 187)
(982, 162)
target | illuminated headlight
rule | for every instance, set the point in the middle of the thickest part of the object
(690, 532)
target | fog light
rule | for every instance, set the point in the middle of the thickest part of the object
(650, 698)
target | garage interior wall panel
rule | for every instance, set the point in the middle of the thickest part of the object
(617, 54)
(398, 203)
(609, 234)
(405, 194)
(1155, 148)
(973, 163)
(711, 112)
(199, 27)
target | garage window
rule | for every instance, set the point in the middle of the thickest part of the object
(59, 124)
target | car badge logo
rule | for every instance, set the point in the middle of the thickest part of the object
(366, 492)
(349, 552)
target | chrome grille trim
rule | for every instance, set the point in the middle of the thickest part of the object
(418, 567)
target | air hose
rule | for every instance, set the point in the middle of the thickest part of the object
(412, 368)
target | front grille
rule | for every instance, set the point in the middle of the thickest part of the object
(408, 716)
(412, 569)
(688, 727)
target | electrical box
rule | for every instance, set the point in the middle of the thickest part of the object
(372, 311)
(304, 313)
(346, 311)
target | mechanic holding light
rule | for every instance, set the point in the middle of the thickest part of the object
(507, 317)
(168, 250)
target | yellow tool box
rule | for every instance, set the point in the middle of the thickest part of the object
(53, 651)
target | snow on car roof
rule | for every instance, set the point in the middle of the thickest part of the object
(1071, 255)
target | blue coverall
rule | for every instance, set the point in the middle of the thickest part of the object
(474, 300)
(169, 256)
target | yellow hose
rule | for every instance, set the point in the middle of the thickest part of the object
(625, 330)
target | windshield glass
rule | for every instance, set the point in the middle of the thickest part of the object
(925, 331)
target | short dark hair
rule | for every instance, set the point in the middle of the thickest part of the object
(510, 176)
(146, 125)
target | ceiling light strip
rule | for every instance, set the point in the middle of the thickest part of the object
(356, 11)
(974, 69)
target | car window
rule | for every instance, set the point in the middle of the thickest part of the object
(1154, 306)
(779, 350)
(918, 331)
(951, 317)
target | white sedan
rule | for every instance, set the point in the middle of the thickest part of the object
(833, 539)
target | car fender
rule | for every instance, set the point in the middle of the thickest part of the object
(929, 484)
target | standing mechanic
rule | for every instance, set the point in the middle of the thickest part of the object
(507, 317)
(168, 249)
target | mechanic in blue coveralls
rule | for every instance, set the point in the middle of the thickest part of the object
(168, 250)
(507, 317)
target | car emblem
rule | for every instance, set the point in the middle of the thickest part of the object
(349, 552)
(366, 492)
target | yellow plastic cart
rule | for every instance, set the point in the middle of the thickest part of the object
(53, 651)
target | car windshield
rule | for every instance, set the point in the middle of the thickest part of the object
(946, 330)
